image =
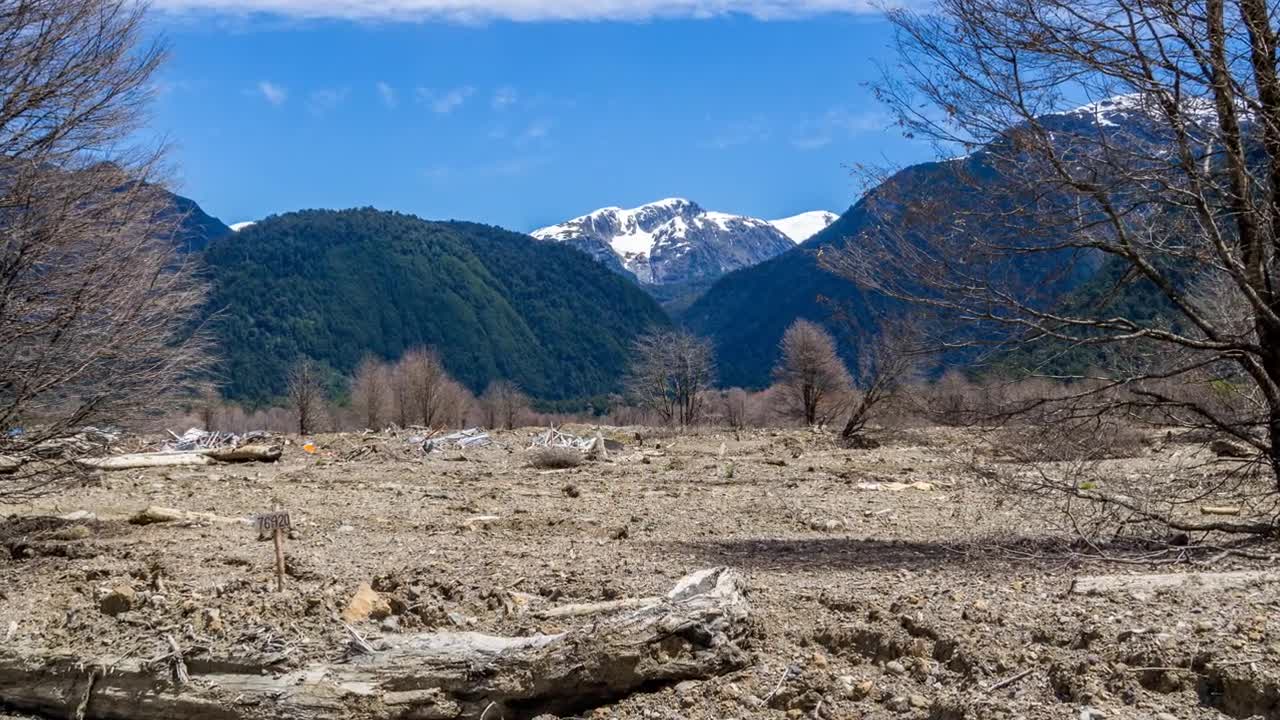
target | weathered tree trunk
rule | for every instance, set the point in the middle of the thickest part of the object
(246, 453)
(146, 460)
(692, 632)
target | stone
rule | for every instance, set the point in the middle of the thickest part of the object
(121, 599)
(918, 701)
(391, 624)
(893, 667)
(571, 490)
(820, 660)
(365, 604)
(898, 703)
(1166, 716)
(78, 515)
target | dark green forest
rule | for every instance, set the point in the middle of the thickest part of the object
(335, 285)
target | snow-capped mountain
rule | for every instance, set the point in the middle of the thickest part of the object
(676, 240)
(805, 225)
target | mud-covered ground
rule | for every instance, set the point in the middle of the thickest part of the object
(942, 599)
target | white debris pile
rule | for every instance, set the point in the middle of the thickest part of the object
(595, 447)
(474, 437)
(197, 439)
(554, 438)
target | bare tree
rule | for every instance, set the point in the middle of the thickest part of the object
(421, 383)
(671, 371)
(207, 407)
(97, 304)
(503, 404)
(735, 408)
(371, 392)
(1184, 194)
(810, 375)
(306, 393)
(889, 361)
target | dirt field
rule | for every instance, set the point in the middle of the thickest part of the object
(940, 600)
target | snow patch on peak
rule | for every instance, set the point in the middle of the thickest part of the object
(805, 225)
(237, 227)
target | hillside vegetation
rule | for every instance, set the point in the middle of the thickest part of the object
(335, 285)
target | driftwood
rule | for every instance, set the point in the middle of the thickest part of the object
(259, 452)
(1092, 585)
(156, 514)
(579, 610)
(146, 460)
(692, 633)
(245, 453)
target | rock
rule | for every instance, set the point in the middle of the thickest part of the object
(1091, 713)
(121, 599)
(366, 604)
(1166, 716)
(345, 529)
(898, 703)
(856, 689)
(620, 533)
(571, 490)
(78, 515)
(819, 660)
(391, 624)
(918, 701)
(893, 667)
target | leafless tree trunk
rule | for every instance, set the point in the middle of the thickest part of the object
(97, 304)
(503, 404)
(371, 392)
(306, 394)
(671, 371)
(810, 374)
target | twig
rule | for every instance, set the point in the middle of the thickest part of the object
(358, 645)
(82, 706)
(1010, 680)
(180, 675)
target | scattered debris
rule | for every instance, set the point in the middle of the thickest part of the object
(475, 437)
(554, 438)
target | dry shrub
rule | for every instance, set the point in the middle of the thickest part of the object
(555, 458)
(1068, 442)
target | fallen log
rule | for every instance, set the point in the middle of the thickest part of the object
(245, 453)
(1098, 584)
(156, 514)
(578, 610)
(693, 632)
(146, 460)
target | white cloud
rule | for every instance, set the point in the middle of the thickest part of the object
(836, 123)
(740, 133)
(472, 11)
(388, 94)
(326, 99)
(274, 94)
(504, 97)
(444, 102)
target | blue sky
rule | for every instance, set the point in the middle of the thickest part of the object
(522, 113)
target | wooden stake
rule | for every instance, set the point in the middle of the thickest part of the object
(277, 538)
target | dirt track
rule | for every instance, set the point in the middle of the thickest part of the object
(873, 603)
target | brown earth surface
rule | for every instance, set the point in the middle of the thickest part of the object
(944, 600)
